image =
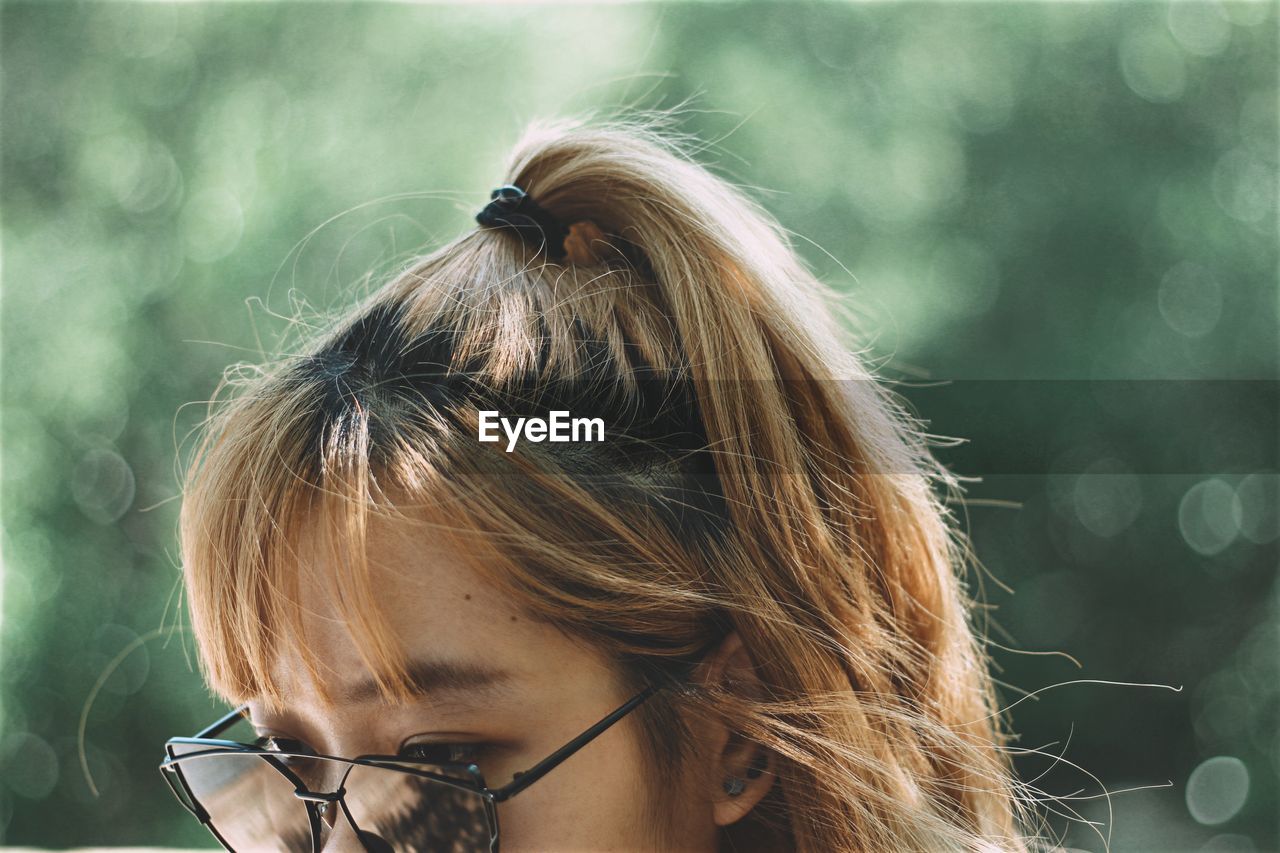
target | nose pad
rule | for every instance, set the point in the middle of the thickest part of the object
(340, 836)
(336, 832)
(328, 813)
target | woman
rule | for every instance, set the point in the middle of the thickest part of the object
(731, 621)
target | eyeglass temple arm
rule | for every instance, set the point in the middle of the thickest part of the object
(526, 778)
(225, 723)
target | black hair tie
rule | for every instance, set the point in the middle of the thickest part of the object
(512, 207)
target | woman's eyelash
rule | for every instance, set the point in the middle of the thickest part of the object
(439, 752)
(274, 743)
(444, 753)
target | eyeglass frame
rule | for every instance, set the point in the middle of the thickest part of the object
(312, 799)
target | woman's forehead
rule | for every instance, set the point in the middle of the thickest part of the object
(453, 623)
(416, 583)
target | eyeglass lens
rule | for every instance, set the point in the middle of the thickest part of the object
(252, 805)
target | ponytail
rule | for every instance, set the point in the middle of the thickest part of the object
(853, 560)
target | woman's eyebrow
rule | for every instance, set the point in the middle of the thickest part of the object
(429, 677)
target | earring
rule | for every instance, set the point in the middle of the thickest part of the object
(733, 786)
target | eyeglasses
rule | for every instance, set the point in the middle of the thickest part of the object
(254, 799)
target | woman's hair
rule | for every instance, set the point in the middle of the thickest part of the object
(754, 477)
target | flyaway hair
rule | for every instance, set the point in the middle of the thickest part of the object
(756, 478)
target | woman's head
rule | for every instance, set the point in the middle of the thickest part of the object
(758, 530)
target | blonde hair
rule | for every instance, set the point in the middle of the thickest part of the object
(758, 480)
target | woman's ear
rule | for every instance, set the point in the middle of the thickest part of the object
(741, 771)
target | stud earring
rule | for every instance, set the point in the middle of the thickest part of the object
(733, 786)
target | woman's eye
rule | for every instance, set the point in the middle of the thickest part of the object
(444, 753)
(433, 752)
(273, 743)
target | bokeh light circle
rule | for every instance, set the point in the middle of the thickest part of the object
(1153, 66)
(103, 485)
(30, 765)
(1209, 516)
(1199, 28)
(1107, 497)
(1217, 789)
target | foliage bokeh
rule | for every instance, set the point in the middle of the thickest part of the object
(1042, 202)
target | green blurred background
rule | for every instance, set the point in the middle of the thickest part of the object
(1068, 209)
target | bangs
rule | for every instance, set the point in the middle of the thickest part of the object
(380, 418)
(257, 526)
